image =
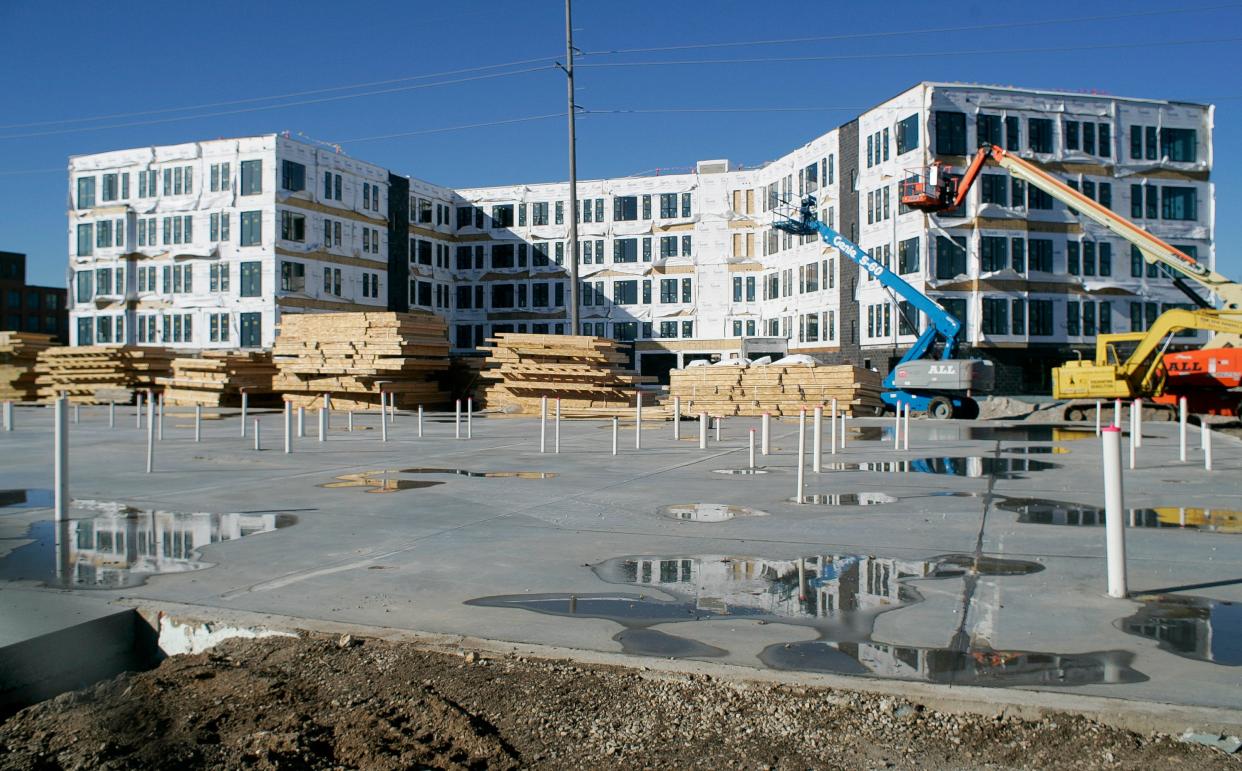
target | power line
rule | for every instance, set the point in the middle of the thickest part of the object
(290, 95)
(282, 105)
(913, 54)
(903, 33)
(463, 126)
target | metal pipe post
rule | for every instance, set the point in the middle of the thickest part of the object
(258, 444)
(1099, 407)
(301, 422)
(420, 421)
(1136, 410)
(897, 427)
(801, 453)
(1133, 446)
(638, 420)
(905, 431)
(383, 426)
(198, 423)
(1207, 446)
(719, 423)
(817, 439)
(556, 439)
(323, 425)
(469, 417)
(76, 415)
(703, 430)
(349, 422)
(765, 429)
(159, 420)
(832, 429)
(288, 428)
(543, 423)
(138, 411)
(1117, 414)
(60, 461)
(1114, 506)
(8, 415)
(844, 419)
(616, 424)
(456, 419)
(752, 449)
(1181, 429)
(677, 417)
(111, 414)
(150, 434)
(245, 407)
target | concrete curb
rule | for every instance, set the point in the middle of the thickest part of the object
(1133, 715)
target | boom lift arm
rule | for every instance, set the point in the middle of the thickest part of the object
(942, 324)
(935, 195)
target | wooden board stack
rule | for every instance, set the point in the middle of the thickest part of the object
(585, 372)
(216, 379)
(350, 355)
(18, 353)
(777, 390)
(95, 374)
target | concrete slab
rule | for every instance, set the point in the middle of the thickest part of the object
(877, 585)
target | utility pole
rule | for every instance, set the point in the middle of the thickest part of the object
(574, 329)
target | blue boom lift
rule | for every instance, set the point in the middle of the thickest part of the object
(942, 387)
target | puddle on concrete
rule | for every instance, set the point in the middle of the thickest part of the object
(977, 665)
(708, 512)
(941, 432)
(1037, 511)
(973, 466)
(25, 499)
(482, 474)
(1194, 627)
(839, 596)
(846, 499)
(112, 546)
(950, 494)
(1036, 449)
(378, 482)
(741, 471)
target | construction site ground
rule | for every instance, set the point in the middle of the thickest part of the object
(961, 577)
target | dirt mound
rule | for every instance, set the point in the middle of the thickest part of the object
(314, 703)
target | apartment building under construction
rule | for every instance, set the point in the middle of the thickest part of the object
(204, 245)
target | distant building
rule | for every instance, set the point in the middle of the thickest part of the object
(25, 308)
(205, 244)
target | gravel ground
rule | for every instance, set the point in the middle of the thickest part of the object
(329, 703)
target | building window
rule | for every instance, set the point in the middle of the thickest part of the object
(950, 256)
(1040, 318)
(625, 208)
(995, 316)
(993, 253)
(625, 250)
(292, 226)
(332, 281)
(1040, 134)
(539, 213)
(1178, 203)
(668, 205)
(86, 240)
(251, 228)
(251, 330)
(988, 129)
(502, 216)
(292, 176)
(251, 279)
(950, 133)
(908, 134)
(1177, 144)
(219, 277)
(251, 177)
(86, 192)
(292, 276)
(625, 292)
(1018, 313)
(668, 290)
(994, 188)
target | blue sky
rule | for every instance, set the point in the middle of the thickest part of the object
(73, 60)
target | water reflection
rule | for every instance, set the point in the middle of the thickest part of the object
(1195, 627)
(378, 482)
(847, 499)
(708, 512)
(972, 466)
(1038, 511)
(112, 546)
(25, 499)
(838, 595)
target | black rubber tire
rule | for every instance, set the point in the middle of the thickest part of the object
(968, 411)
(940, 408)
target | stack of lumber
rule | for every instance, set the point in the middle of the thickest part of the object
(778, 390)
(216, 379)
(352, 355)
(94, 374)
(586, 373)
(18, 353)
